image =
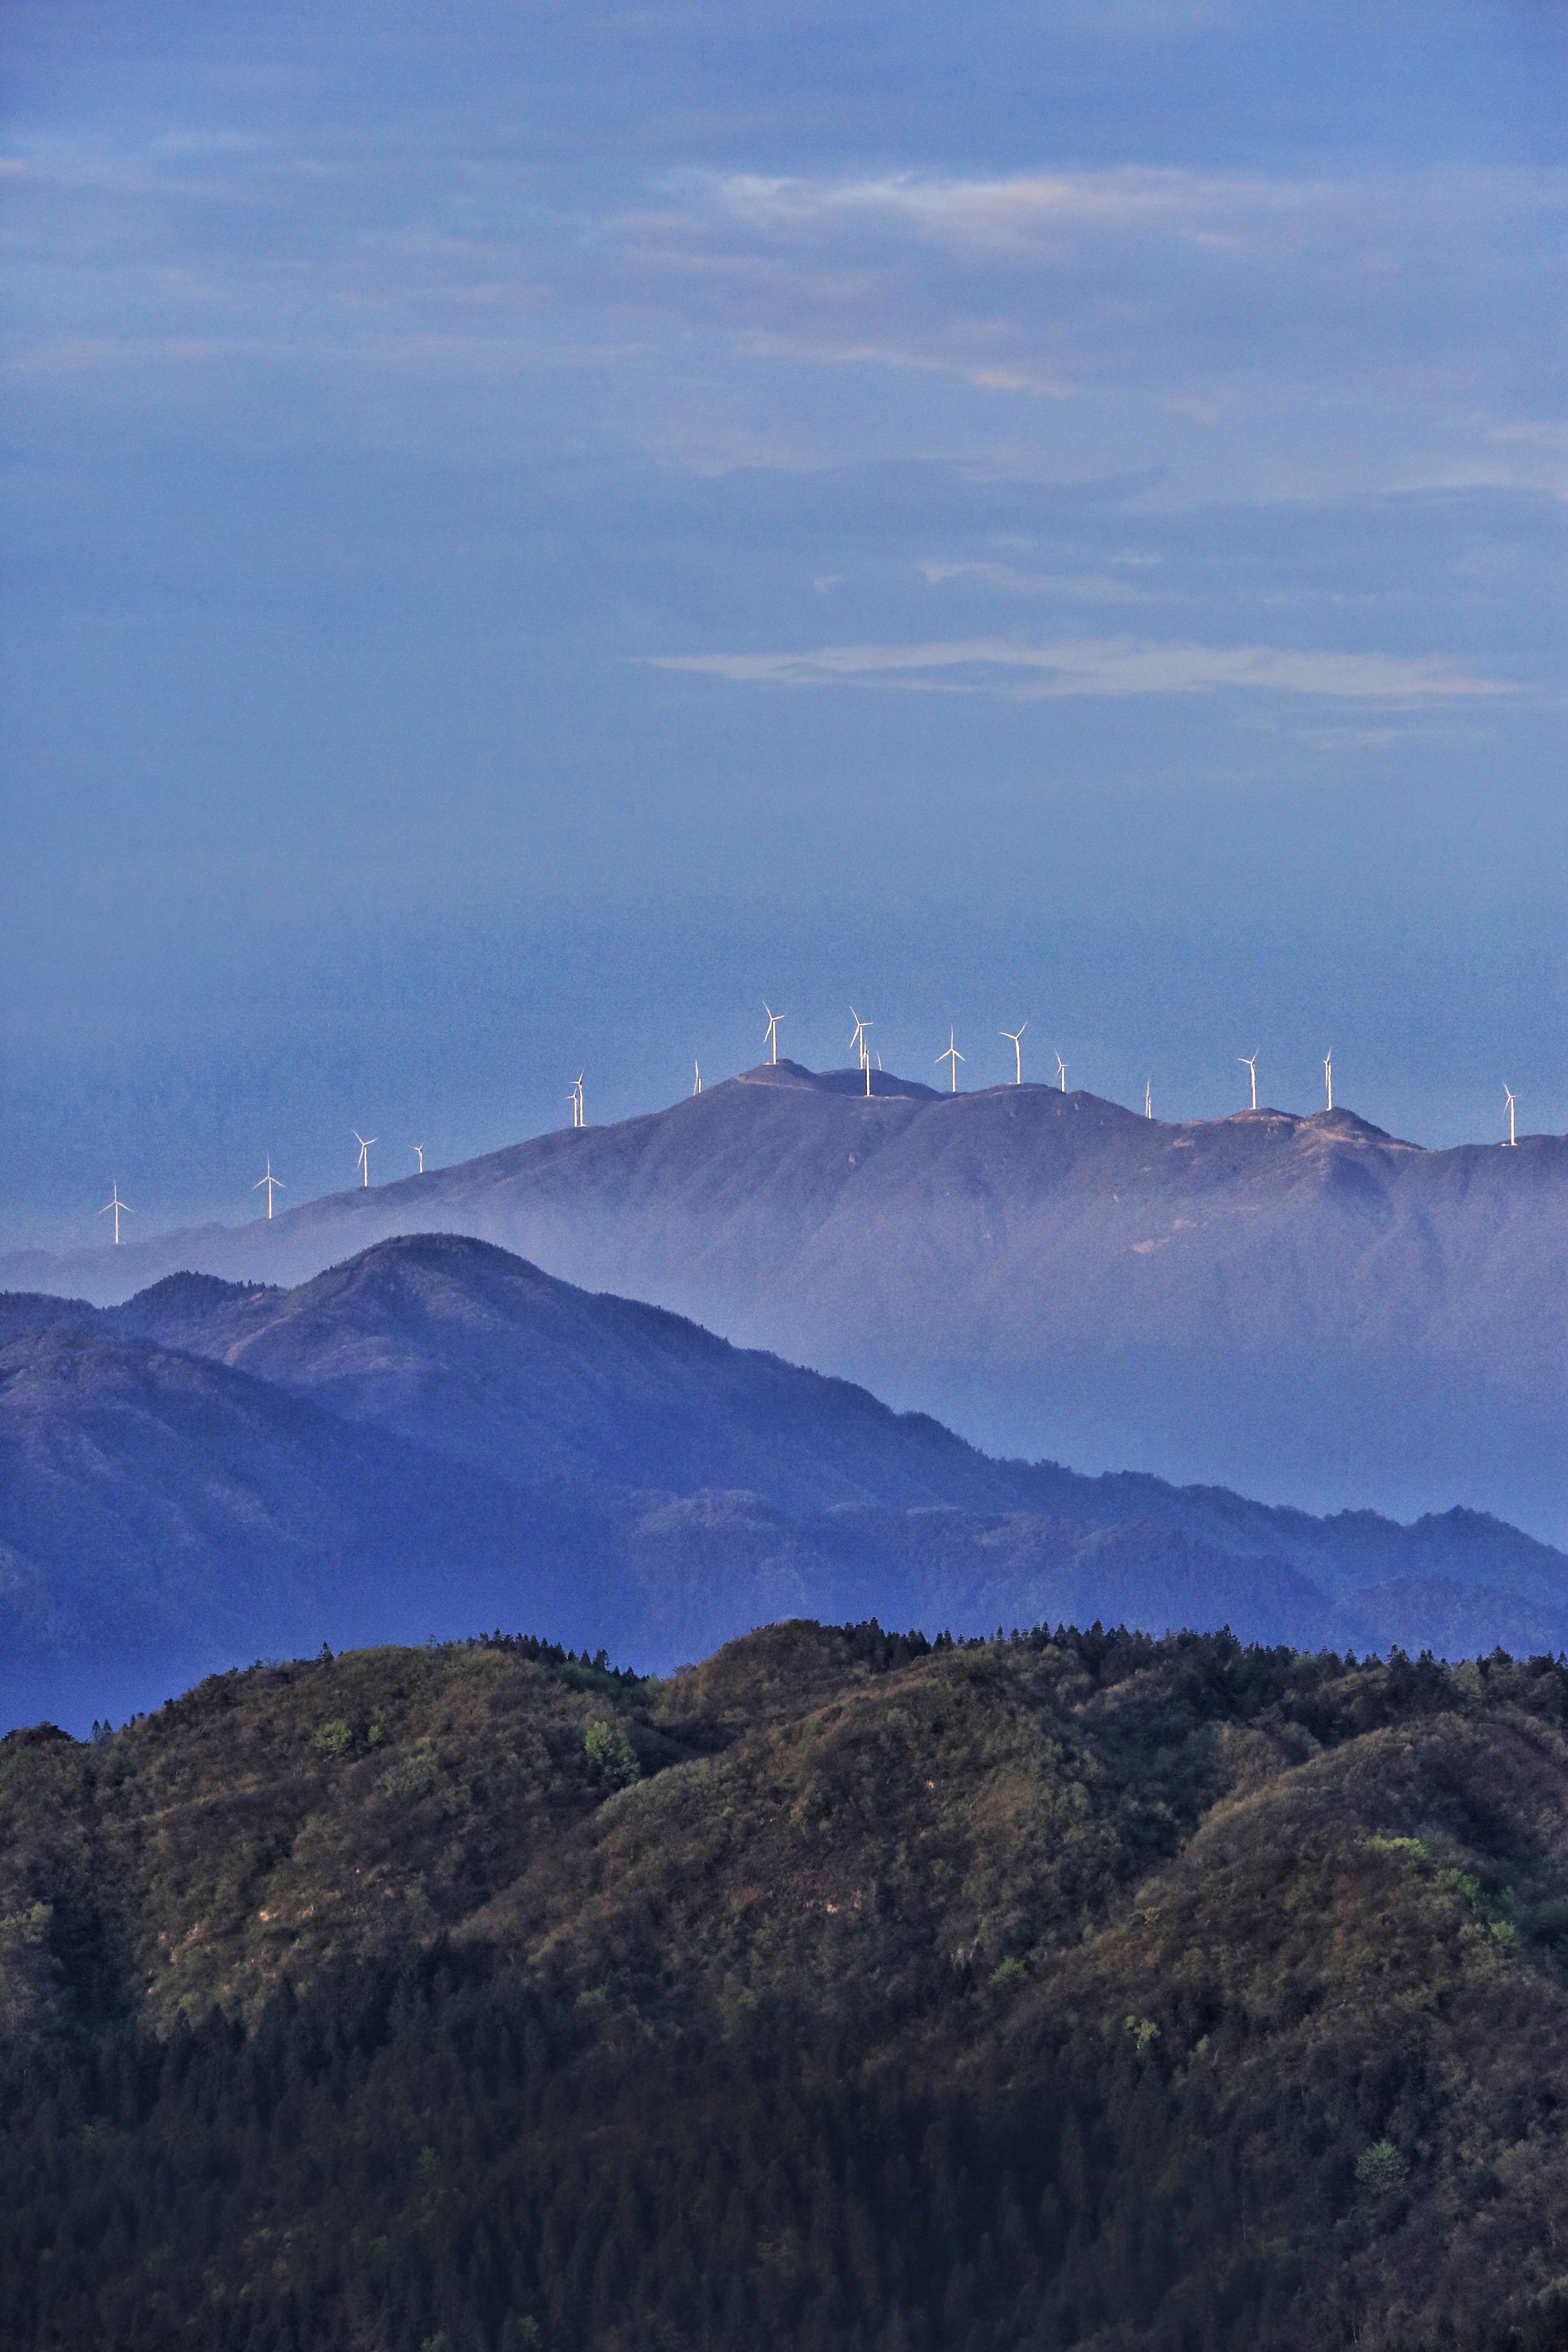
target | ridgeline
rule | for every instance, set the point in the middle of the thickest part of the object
(435, 1434)
(1306, 1309)
(845, 1990)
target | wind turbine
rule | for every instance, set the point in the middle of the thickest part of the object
(1250, 1062)
(579, 1115)
(273, 1184)
(697, 1072)
(1062, 1073)
(1512, 1099)
(858, 1039)
(1017, 1037)
(364, 1142)
(953, 1056)
(772, 1038)
(1329, 1075)
(120, 1208)
(419, 1148)
(1148, 1097)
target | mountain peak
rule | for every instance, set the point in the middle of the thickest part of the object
(785, 1073)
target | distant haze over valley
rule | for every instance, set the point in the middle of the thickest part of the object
(434, 1437)
(1308, 1310)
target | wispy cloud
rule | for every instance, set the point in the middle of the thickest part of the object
(1100, 665)
(1080, 587)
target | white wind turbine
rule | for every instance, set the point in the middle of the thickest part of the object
(364, 1142)
(120, 1208)
(953, 1056)
(1017, 1035)
(697, 1075)
(1148, 1097)
(1512, 1101)
(1329, 1075)
(1062, 1073)
(1250, 1062)
(579, 1116)
(419, 1149)
(273, 1184)
(771, 1038)
(858, 1039)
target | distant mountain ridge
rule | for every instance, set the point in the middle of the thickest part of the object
(436, 1435)
(1307, 1307)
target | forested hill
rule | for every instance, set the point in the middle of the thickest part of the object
(843, 1991)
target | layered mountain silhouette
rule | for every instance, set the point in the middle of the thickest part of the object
(1305, 1308)
(437, 1436)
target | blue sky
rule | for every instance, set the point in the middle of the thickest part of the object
(530, 529)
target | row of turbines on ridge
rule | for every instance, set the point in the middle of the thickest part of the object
(950, 1055)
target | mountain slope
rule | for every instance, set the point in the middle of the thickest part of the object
(1301, 1306)
(161, 1516)
(1078, 1993)
(437, 1435)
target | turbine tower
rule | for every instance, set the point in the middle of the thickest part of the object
(953, 1056)
(1062, 1073)
(1017, 1037)
(364, 1142)
(1250, 1062)
(1329, 1075)
(771, 1037)
(419, 1148)
(697, 1078)
(120, 1208)
(273, 1184)
(1148, 1097)
(1512, 1099)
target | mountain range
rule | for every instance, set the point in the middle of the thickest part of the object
(436, 1436)
(1305, 1308)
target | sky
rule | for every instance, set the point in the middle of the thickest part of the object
(530, 529)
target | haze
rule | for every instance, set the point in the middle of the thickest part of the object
(531, 527)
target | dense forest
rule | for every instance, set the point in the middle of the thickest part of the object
(848, 1991)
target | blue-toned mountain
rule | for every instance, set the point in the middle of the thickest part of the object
(436, 1435)
(1305, 1308)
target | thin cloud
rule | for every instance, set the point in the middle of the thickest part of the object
(1228, 212)
(983, 375)
(1098, 665)
(1092, 588)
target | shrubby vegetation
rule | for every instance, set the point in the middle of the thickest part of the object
(848, 1991)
